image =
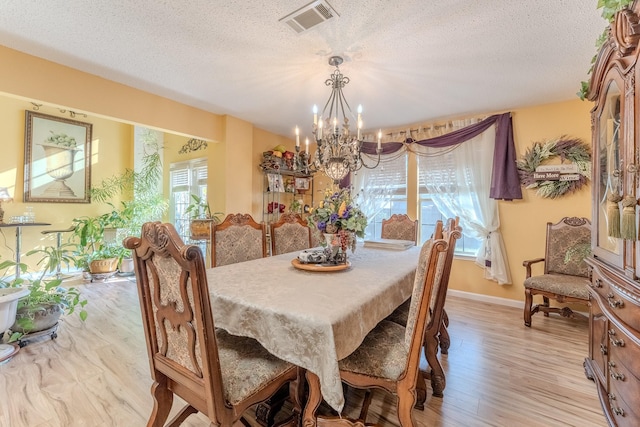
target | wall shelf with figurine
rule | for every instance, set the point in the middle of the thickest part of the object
(288, 184)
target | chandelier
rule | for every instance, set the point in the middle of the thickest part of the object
(339, 151)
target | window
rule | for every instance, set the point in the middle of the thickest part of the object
(382, 191)
(186, 178)
(429, 213)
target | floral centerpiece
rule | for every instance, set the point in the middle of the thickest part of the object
(338, 214)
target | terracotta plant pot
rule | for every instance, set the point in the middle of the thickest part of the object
(201, 229)
(100, 266)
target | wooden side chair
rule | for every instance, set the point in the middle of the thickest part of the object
(436, 330)
(189, 357)
(289, 234)
(389, 357)
(236, 239)
(565, 278)
(400, 227)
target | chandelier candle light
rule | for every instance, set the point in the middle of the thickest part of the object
(339, 152)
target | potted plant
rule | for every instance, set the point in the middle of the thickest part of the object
(44, 303)
(201, 218)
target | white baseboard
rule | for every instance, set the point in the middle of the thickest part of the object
(495, 300)
(486, 298)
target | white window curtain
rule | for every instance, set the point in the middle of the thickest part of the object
(374, 187)
(459, 179)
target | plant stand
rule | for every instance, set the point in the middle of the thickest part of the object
(102, 276)
(38, 336)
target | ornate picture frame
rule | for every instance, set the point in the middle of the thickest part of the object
(57, 159)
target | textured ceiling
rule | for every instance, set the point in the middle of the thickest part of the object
(409, 61)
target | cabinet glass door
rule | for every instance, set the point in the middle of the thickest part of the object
(609, 179)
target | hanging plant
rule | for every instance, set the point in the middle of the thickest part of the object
(609, 10)
(555, 181)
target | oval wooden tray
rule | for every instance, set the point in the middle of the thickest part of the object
(319, 267)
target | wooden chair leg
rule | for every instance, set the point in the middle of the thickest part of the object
(443, 334)
(438, 380)
(365, 406)
(547, 305)
(421, 391)
(162, 402)
(404, 408)
(528, 301)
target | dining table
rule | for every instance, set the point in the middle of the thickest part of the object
(315, 318)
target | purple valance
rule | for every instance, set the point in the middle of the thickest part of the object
(505, 182)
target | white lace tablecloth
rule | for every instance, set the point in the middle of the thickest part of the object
(312, 319)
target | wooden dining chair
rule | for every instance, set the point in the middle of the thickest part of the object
(236, 239)
(436, 330)
(400, 227)
(206, 367)
(565, 279)
(289, 234)
(389, 356)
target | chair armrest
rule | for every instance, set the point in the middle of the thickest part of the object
(527, 264)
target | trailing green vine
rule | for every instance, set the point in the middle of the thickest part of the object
(609, 10)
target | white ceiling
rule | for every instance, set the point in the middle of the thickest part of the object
(409, 61)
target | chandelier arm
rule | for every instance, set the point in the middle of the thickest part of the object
(378, 152)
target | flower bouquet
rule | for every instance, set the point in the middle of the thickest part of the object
(337, 215)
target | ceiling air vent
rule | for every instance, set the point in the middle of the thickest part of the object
(309, 16)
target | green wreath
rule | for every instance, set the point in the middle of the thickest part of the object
(569, 149)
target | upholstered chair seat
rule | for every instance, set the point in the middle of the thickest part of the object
(239, 355)
(561, 284)
(382, 354)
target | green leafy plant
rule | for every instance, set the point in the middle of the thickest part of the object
(146, 201)
(52, 256)
(609, 10)
(41, 293)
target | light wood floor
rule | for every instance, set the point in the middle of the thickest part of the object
(499, 373)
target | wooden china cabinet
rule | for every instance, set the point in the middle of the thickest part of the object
(614, 320)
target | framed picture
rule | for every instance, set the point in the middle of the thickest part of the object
(302, 184)
(57, 159)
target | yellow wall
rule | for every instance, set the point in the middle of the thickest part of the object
(111, 155)
(38, 80)
(523, 222)
(235, 182)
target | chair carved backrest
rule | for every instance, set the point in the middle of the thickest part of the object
(400, 227)
(420, 281)
(429, 271)
(176, 315)
(566, 235)
(451, 233)
(289, 234)
(236, 239)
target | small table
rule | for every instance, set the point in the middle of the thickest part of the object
(18, 226)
